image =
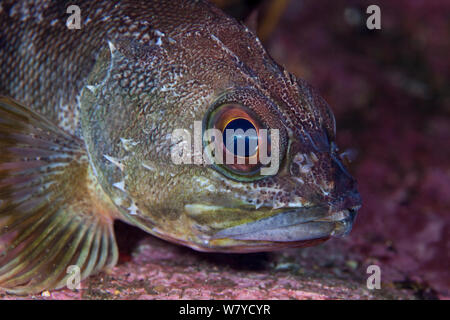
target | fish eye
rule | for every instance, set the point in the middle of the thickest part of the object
(240, 141)
(240, 137)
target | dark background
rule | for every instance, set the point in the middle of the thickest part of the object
(389, 90)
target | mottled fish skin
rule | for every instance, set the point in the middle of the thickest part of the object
(138, 70)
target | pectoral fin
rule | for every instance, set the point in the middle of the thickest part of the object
(53, 214)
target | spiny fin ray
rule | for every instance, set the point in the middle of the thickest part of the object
(53, 214)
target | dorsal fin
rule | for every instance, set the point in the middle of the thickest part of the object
(53, 214)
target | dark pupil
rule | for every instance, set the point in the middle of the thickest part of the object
(241, 138)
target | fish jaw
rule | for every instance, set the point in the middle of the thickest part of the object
(290, 227)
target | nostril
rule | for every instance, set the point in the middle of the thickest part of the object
(353, 212)
(344, 183)
(348, 156)
(350, 200)
(340, 168)
(353, 200)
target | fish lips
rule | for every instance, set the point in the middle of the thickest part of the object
(298, 224)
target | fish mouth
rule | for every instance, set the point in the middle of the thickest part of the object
(290, 228)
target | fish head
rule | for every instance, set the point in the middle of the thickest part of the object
(155, 114)
(295, 192)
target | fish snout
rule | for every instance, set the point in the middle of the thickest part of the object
(345, 193)
(345, 200)
(325, 180)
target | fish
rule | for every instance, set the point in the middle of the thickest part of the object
(99, 101)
